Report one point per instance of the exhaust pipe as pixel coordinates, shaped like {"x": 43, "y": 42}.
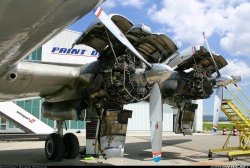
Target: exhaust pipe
{"x": 11, "y": 77}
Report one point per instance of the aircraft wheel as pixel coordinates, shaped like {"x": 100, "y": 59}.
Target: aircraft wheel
{"x": 230, "y": 158}
{"x": 54, "y": 147}
{"x": 70, "y": 146}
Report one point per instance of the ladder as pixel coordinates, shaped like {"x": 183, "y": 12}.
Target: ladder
{"x": 235, "y": 108}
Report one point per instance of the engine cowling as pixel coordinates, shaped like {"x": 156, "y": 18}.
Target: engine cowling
{"x": 65, "y": 110}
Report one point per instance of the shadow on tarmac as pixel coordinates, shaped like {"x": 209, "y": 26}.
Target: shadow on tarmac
{"x": 175, "y": 150}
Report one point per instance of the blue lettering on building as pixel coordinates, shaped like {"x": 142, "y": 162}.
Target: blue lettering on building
{"x": 94, "y": 52}
{"x": 55, "y": 49}
{"x": 63, "y": 50}
{"x": 69, "y": 51}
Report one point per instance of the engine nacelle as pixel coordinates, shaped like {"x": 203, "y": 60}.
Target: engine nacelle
{"x": 66, "y": 110}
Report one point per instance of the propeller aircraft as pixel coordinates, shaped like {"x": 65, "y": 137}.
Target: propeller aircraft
{"x": 134, "y": 65}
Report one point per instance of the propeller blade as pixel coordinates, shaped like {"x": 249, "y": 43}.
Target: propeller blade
{"x": 217, "y": 107}
{"x": 156, "y": 112}
{"x": 215, "y": 65}
{"x": 221, "y": 80}
{"x": 117, "y": 33}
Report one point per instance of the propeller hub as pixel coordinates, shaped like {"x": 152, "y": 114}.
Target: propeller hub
{"x": 223, "y": 80}
{"x": 158, "y": 73}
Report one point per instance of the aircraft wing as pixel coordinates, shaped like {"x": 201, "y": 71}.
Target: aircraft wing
{"x": 27, "y": 24}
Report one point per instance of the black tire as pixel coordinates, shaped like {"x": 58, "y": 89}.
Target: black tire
{"x": 54, "y": 147}
{"x": 230, "y": 158}
{"x": 70, "y": 146}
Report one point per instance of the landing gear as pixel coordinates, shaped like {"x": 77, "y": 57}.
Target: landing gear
{"x": 54, "y": 147}
{"x": 71, "y": 146}
{"x": 58, "y": 146}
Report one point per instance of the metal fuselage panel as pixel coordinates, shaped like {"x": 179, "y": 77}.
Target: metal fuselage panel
{"x": 27, "y": 24}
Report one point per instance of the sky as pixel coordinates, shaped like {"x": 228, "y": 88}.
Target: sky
{"x": 225, "y": 22}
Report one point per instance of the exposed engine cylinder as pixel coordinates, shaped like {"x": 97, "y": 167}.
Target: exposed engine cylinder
{"x": 199, "y": 86}
{"x": 196, "y": 84}
{"x": 119, "y": 83}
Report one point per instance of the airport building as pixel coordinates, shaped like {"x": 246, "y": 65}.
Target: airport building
{"x": 58, "y": 50}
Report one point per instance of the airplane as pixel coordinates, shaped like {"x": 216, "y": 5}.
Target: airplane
{"x": 134, "y": 65}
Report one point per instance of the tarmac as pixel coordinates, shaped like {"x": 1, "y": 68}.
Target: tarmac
{"x": 177, "y": 150}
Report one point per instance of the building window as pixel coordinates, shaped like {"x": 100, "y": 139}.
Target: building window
{"x": 73, "y": 124}
{"x": 35, "y": 55}
{"x": 3, "y": 127}
{"x": 2, "y": 123}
